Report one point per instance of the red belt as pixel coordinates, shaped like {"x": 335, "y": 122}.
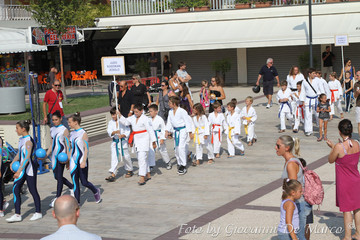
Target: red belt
{"x": 302, "y": 110}
{"x": 131, "y": 137}
{"x": 212, "y": 135}
{"x": 333, "y": 95}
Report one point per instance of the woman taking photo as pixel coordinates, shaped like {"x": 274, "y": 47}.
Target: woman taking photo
{"x": 140, "y": 92}
{"x": 292, "y": 170}
{"x": 216, "y": 93}
{"x": 345, "y": 155}
{"x": 163, "y": 100}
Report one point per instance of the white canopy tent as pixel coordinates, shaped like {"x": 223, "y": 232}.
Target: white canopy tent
{"x": 241, "y": 33}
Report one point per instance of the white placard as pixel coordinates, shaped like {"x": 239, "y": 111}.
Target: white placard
{"x": 113, "y": 66}
{"x": 341, "y": 40}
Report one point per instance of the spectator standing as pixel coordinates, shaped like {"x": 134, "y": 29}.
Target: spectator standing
{"x": 67, "y": 212}
{"x": 328, "y": 57}
{"x": 140, "y": 92}
{"x": 357, "y": 96}
{"x": 111, "y": 92}
{"x": 217, "y": 93}
{"x": 125, "y": 100}
{"x": 153, "y": 64}
{"x": 163, "y": 101}
{"x": 345, "y": 155}
{"x": 348, "y": 67}
{"x": 167, "y": 66}
{"x": 268, "y": 72}
{"x": 53, "y": 98}
{"x": 183, "y": 76}
{"x": 174, "y": 84}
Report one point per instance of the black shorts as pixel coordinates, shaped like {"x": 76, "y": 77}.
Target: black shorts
{"x": 268, "y": 87}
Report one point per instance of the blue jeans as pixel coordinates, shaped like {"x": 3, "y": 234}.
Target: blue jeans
{"x": 304, "y": 209}
{"x": 284, "y": 236}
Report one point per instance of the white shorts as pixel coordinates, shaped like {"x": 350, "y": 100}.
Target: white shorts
{"x": 357, "y": 110}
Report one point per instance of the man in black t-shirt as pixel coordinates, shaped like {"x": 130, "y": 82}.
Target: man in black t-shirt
{"x": 268, "y": 72}
{"x": 328, "y": 58}
{"x": 125, "y": 100}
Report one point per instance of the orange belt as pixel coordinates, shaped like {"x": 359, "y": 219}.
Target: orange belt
{"x": 212, "y": 135}
{"x": 333, "y": 95}
{"x": 131, "y": 137}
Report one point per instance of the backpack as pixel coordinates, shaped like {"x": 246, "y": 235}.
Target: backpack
{"x": 313, "y": 189}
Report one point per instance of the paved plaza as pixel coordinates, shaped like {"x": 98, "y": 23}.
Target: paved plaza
{"x": 235, "y": 198}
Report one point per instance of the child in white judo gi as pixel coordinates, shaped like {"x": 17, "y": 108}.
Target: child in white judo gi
{"x": 233, "y": 131}
{"x": 283, "y": 97}
{"x": 201, "y": 134}
{"x": 248, "y": 116}
{"x": 336, "y": 94}
{"x": 119, "y": 146}
{"x": 158, "y": 125}
{"x": 217, "y": 124}
{"x": 180, "y": 123}
{"x": 140, "y": 138}
{"x": 298, "y": 114}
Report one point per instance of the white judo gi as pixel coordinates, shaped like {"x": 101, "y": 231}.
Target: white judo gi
{"x": 310, "y": 99}
{"x": 119, "y": 147}
{"x": 202, "y": 129}
{"x": 298, "y": 113}
{"x": 142, "y": 134}
{"x": 249, "y": 126}
{"x": 284, "y": 107}
{"x": 217, "y": 124}
{"x": 180, "y": 124}
{"x": 336, "y": 93}
{"x": 233, "y": 133}
{"x": 158, "y": 126}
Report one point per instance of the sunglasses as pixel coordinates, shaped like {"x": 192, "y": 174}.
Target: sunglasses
{"x": 57, "y": 85}
{"x": 277, "y": 145}
{"x": 163, "y": 85}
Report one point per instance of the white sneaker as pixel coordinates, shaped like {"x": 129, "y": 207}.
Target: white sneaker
{"x": 268, "y": 106}
{"x": 72, "y": 192}
{"x": 14, "y": 218}
{"x": 36, "y": 216}
{"x": 52, "y": 203}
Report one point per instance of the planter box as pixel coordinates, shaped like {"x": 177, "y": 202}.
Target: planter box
{"x": 242, "y": 5}
{"x": 263, "y": 4}
{"x": 203, "y": 8}
{"x": 332, "y": 1}
{"x": 183, "y": 9}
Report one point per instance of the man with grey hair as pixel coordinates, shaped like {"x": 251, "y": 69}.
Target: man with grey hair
{"x": 268, "y": 72}
{"x": 67, "y": 212}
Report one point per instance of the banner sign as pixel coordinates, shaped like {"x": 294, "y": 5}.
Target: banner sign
{"x": 341, "y": 40}
{"x": 113, "y": 66}
{"x": 44, "y": 36}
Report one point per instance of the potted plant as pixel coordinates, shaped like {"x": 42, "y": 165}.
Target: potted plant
{"x": 201, "y": 5}
{"x": 221, "y": 67}
{"x": 142, "y": 67}
{"x": 182, "y": 5}
{"x": 263, "y": 3}
{"x": 239, "y": 4}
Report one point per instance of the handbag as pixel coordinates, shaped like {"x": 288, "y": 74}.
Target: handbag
{"x": 49, "y": 114}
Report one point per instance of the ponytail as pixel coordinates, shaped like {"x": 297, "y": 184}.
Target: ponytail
{"x": 76, "y": 117}
{"x": 292, "y": 143}
{"x": 288, "y": 186}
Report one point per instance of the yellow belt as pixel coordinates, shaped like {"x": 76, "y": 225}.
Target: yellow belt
{"x": 246, "y": 126}
{"x": 196, "y": 135}
{"x": 230, "y": 129}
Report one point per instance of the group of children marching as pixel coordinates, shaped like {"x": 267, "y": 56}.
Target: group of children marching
{"x": 149, "y": 134}
{"x": 292, "y": 108}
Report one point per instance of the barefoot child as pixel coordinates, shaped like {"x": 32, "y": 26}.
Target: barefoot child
{"x": 217, "y": 123}
{"x": 336, "y": 93}
{"x": 248, "y": 116}
{"x": 201, "y": 135}
{"x": 158, "y": 126}
{"x": 283, "y": 97}
{"x": 119, "y": 146}
{"x": 324, "y": 114}
{"x": 233, "y": 131}
{"x": 298, "y": 113}
{"x": 204, "y": 95}
{"x": 140, "y": 138}
{"x": 180, "y": 123}
{"x": 289, "y": 214}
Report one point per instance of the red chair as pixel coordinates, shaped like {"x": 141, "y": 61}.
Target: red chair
{"x": 74, "y": 77}
{"x": 94, "y": 76}
{"x": 88, "y": 77}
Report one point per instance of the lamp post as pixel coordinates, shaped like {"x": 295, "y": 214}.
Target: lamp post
{"x": 310, "y": 35}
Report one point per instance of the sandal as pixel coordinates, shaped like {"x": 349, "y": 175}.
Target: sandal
{"x": 231, "y": 156}
{"x": 281, "y": 131}
{"x": 211, "y": 161}
{"x": 194, "y": 164}
{"x": 110, "y": 179}
{"x": 129, "y": 174}
{"x": 295, "y": 131}
{"x": 242, "y": 153}
{"x": 250, "y": 143}
{"x": 142, "y": 183}
{"x": 325, "y": 138}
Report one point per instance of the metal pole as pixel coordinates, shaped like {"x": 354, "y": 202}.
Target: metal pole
{"x": 310, "y": 35}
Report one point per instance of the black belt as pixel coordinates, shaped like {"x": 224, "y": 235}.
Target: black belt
{"x": 293, "y": 89}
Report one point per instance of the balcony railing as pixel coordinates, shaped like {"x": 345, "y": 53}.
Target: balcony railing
{"x": 14, "y": 13}
{"x": 141, "y": 7}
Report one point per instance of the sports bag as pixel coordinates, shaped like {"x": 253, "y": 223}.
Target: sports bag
{"x": 313, "y": 189}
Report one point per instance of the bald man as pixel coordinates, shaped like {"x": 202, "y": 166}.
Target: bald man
{"x": 67, "y": 211}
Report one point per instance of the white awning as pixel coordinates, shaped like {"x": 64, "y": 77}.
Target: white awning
{"x": 244, "y": 33}
{"x": 17, "y": 41}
